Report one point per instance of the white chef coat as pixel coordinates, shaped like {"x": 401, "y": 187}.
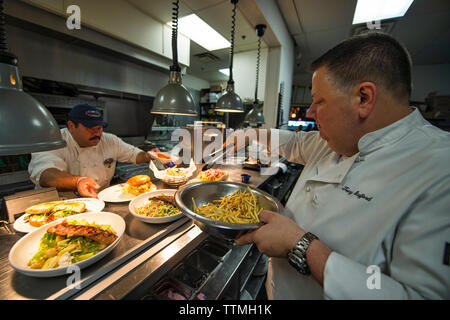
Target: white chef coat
{"x": 97, "y": 162}
{"x": 388, "y": 206}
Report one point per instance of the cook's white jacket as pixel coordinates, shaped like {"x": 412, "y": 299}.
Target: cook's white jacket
{"x": 386, "y": 206}
{"x": 97, "y": 162}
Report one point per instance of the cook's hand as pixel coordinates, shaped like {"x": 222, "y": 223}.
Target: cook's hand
{"x": 162, "y": 157}
{"x": 87, "y": 187}
{"x": 275, "y": 237}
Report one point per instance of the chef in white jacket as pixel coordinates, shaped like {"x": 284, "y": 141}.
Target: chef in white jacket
{"x": 88, "y": 161}
{"x": 369, "y": 217}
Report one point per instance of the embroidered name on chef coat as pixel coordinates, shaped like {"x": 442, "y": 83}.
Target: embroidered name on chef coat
{"x": 356, "y": 193}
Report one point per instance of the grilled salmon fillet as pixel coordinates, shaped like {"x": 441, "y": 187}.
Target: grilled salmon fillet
{"x": 94, "y": 233}
{"x": 169, "y": 199}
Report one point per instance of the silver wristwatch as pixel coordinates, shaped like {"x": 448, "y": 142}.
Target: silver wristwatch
{"x": 297, "y": 255}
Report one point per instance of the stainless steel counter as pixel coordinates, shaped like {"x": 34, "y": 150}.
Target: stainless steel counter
{"x": 146, "y": 250}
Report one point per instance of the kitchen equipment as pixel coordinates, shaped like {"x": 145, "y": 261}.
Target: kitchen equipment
{"x": 205, "y": 192}
{"x": 199, "y": 137}
{"x": 174, "y": 98}
{"x": 230, "y": 101}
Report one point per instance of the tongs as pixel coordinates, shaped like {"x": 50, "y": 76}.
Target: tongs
{"x": 216, "y": 155}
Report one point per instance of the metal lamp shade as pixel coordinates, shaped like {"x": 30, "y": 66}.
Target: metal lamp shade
{"x": 229, "y": 102}
{"x": 174, "y": 99}
{"x": 25, "y": 124}
{"x": 255, "y": 116}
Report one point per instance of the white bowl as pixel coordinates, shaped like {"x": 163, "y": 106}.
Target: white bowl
{"x": 24, "y": 249}
{"x": 143, "y": 199}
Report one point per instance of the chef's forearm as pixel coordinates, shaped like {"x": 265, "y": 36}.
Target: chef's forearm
{"x": 143, "y": 157}
{"x": 53, "y": 177}
{"x": 316, "y": 256}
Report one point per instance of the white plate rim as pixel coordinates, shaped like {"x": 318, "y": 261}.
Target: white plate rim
{"x": 21, "y": 226}
{"x": 103, "y": 194}
{"x": 159, "y": 220}
{"x": 82, "y": 264}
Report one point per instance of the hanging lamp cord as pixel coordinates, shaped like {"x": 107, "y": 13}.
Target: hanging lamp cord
{"x": 257, "y": 69}
{"x": 233, "y": 27}
{"x": 3, "y": 43}
{"x": 175, "y": 66}
{"x": 5, "y": 56}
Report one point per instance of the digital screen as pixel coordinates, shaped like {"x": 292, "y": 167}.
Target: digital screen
{"x": 294, "y": 124}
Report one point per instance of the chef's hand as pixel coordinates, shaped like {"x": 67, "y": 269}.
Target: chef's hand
{"x": 87, "y": 187}
{"x": 275, "y": 237}
{"x": 163, "y": 157}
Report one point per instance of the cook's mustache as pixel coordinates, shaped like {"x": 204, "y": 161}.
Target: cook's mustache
{"x": 94, "y": 137}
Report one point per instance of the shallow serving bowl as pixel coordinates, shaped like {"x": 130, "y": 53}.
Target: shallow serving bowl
{"x": 24, "y": 249}
{"x": 205, "y": 192}
{"x": 143, "y": 199}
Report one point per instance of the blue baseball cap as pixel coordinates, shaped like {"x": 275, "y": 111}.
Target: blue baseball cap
{"x": 89, "y": 116}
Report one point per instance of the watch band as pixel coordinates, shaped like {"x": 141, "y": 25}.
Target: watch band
{"x": 297, "y": 255}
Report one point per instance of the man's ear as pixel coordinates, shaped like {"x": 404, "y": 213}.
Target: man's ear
{"x": 70, "y": 125}
{"x": 367, "y": 92}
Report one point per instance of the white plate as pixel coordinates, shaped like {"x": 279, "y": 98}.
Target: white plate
{"x": 226, "y": 177}
{"x": 142, "y": 200}
{"x": 92, "y": 205}
{"x": 114, "y": 194}
{"x": 26, "y": 247}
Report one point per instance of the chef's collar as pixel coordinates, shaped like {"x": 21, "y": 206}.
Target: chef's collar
{"x": 389, "y": 134}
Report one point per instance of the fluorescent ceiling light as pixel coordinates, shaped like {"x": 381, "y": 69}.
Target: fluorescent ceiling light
{"x": 225, "y": 71}
{"x": 200, "y": 32}
{"x": 373, "y": 10}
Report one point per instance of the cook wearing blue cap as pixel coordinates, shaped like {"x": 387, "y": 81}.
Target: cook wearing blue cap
{"x": 87, "y": 115}
{"x": 89, "y": 160}
{"x": 85, "y": 123}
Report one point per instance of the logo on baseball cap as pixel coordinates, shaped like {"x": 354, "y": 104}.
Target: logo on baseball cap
{"x": 89, "y": 116}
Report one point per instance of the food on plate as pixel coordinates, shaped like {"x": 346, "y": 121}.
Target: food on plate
{"x": 239, "y": 207}
{"x": 46, "y": 212}
{"x": 162, "y": 197}
{"x": 212, "y": 175}
{"x": 159, "y": 206}
{"x": 176, "y": 172}
{"x": 137, "y": 185}
{"x": 71, "y": 206}
{"x": 71, "y": 242}
{"x": 163, "y": 156}
{"x": 44, "y": 207}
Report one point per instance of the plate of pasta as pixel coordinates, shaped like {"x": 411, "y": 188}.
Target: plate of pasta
{"x": 155, "y": 207}
{"x": 225, "y": 209}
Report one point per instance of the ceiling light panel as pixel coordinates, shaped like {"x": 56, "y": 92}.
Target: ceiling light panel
{"x": 373, "y": 10}
{"x": 200, "y": 32}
